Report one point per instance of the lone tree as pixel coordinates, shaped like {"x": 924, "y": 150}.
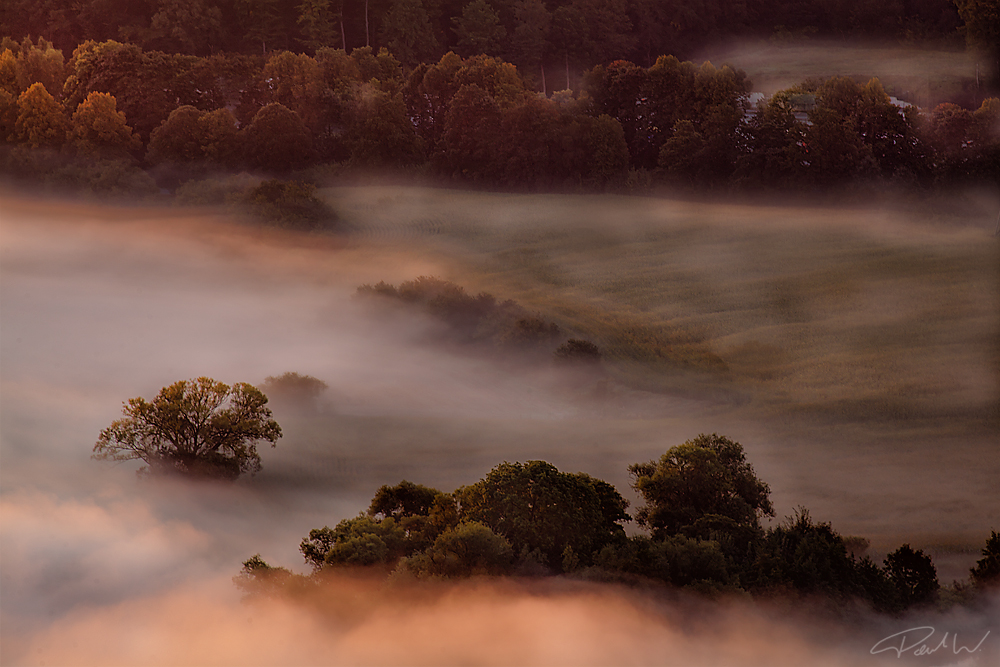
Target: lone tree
{"x": 200, "y": 428}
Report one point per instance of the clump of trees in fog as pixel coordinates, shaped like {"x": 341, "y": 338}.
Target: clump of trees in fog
{"x": 701, "y": 518}
{"x": 199, "y": 428}
{"x": 115, "y": 118}
{"x": 482, "y": 320}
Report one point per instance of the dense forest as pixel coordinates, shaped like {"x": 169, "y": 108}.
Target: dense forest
{"x": 156, "y": 94}
{"x": 535, "y": 35}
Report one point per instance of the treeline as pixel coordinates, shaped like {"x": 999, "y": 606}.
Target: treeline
{"x": 701, "y": 523}
{"x": 483, "y": 321}
{"x": 549, "y": 39}
{"x": 120, "y": 109}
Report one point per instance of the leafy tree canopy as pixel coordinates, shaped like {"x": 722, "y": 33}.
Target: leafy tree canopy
{"x": 40, "y": 118}
{"x": 200, "y": 428}
{"x": 703, "y": 485}
{"x": 536, "y": 507}
{"x": 986, "y": 573}
{"x": 470, "y": 548}
{"x": 404, "y": 499}
{"x": 913, "y": 574}
{"x": 99, "y": 128}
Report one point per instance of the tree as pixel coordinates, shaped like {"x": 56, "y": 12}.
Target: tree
{"x": 316, "y": 22}
{"x": 359, "y": 541}
{"x": 807, "y": 556}
{"x": 178, "y": 138}
{"x": 403, "y": 500}
{"x": 8, "y": 73}
{"x": 913, "y": 574}
{"x": 200, "y": 428}
{"x": 294, "y": 389}
{"x": 469, "y": 548}
{"x": 608, "y": 152}
{"x": 184, "y": 26}
{"x": 702, "y": 487}
{"x": 479, "y": 29}
{"x": 567, "y": 35}
{"x": 530, "y": 39}
{"x": 40, "y": 118}
{"x": 538, "y": 508}
{"x": 679, "y": 154}
{"x": 258, "y": 21}
{"x": 8, "y": 116}
{"x": 100, "y": 129}
{"x": 577, "y": 351}
{"x": 982, "y": 29}
{"x": 407, "y": 31}
{"x": 277, "y": 140}
{"x": 260, "y": 579}
{"x": 468, "y": 142}
{"x": 986, "y": 573}
{"x": 380, "y": 133}
{"x": 296, "y": 81}
{"x": 40, "y": 63}
{"x": 218, "y": 133}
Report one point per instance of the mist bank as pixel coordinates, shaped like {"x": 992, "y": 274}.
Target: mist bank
{"x": 352, "y": 621}
{"x": 102, "y": 304}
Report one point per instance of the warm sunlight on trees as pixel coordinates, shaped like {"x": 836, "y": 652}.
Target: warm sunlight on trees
{"x": 200, "y": 428}
{"x": 40, "y": 118}
{"x": 98, "y": 128}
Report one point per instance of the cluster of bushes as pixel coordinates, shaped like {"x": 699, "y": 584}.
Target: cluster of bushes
{"x": 482, "y": 320}
{"x": 474, "y": 119}
{"x": 701, "y": 519}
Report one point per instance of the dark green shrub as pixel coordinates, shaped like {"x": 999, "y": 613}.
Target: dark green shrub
{"x": 258, "y": 579}
{"x": 913, "y": 574}
{"x": 358, "y": 541}
{"x": 578, "y": 351}
{"x": 807, "y": 557}
{"x": 468, "y": 549}
{"x": 986, "y": 573}
{"x": 290, "y": 205}
{"x": 535, "y": 506}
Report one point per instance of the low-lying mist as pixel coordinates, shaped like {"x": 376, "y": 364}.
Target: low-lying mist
{"x": 99, "y": 567}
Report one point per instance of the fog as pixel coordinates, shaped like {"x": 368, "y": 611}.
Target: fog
{"x": 101, "y": 304}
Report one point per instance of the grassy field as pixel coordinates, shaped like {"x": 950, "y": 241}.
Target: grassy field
{"x": 858, "y": 314}
{"x": 922, "y": 77}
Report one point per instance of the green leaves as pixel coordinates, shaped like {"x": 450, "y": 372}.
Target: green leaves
{"x": 535, "y": 506}
{"x": 708, "y": 475}
{"x": 196, "y": 427}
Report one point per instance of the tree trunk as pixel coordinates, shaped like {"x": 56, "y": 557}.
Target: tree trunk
{"x": 368, "y": 39}
{"x": 343, "y": 36}
{"x": 545, "y": 91}
{"x": 567, "y": 71}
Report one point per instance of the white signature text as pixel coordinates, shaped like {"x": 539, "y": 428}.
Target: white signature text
{"x": 920, "y": 641}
